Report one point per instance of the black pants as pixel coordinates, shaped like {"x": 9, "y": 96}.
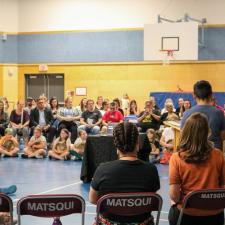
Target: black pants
{"x": 71, "y": 127}
{"x": 2, "y": 131}
{"x": 194, "y": 220}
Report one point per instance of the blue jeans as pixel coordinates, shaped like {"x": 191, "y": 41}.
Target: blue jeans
{"x": 93, "y": 130}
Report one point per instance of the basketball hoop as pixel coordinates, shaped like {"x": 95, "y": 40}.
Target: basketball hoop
{"x": 168, "y": 56}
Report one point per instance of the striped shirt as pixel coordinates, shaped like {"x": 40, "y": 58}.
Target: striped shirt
{"x": 65, "y": 112}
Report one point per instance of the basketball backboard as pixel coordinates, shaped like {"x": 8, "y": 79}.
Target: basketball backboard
{"x": 181, "y": 38}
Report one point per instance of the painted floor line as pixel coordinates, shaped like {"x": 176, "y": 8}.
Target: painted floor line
{"x": 53, "y": 189}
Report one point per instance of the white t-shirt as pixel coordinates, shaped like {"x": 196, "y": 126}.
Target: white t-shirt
{"x": 168, "y": 133}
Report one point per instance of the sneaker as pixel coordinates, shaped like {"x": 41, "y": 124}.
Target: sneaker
{"x": 15, "y": 155}
{"x": 77, "y": 155}
{"x": 9, "y": 190}
{"x": 24, "y": 156}
{"x": 39, "y": 157}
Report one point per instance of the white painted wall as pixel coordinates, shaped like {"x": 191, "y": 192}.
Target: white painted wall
{"x": 45, "y": 15}
{"x": 8, "y": 15}
{"x": 41, "y": 15}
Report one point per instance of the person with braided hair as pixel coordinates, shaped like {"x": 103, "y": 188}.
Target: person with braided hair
{"x": 127, "y": 174}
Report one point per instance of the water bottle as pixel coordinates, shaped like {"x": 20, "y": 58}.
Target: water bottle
{"x": 110, "y": 129}
{"x": 21, "y": 144}
{"x": 57, "y": 221}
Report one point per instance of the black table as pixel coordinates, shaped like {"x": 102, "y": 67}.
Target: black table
{"x": 99, "y": 149}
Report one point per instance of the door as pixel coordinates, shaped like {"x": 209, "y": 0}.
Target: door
{"x": 48, "y": 84}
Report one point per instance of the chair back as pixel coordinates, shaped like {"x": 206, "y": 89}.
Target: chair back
{"x": 51, "y": 206}
{"x": 6, "y": 205}
{"x": 129, "y": 204}
{"x": 208, "y": 199}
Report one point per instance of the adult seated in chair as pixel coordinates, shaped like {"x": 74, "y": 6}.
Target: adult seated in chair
{"x": 111, "y": 116}
{"x": 170, "y": 115}
{"x": 155, "y": 106}
{"x": 149, "y": 118}
{"x": 4, "y": 119}
{"x": 29, "y": 105}
{"x": 19, "y": 121}
{"x": 91, "y": 119}
{"x": 197, "y": 165}
{"x": 180, "y": 109}
{"x": 186, "y": 106}
{"x": 42, "y": 117}
{"x": 127, "y": 174}
{"x": 133, "y": 109}
{"x": 68, "y": 116}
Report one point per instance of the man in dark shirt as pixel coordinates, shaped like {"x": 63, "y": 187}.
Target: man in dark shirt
{"x": 91, "y": 119}
{"x": 42, "y": 117}
{"x": 149, "y": 118}
{"x": 216, "y": 119}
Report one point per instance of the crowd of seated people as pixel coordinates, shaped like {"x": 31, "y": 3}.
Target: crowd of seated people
{"x": 92, "y": 118}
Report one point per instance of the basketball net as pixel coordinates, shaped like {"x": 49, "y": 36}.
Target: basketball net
{"x": 168, "y": 56}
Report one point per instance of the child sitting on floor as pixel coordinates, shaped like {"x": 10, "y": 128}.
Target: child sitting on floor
{"x": 61, "y": 146}
{"x": 8, "y": 144}
{"x": 77, "y": 149}
{"x": 154, "y": 156}
{"x": 167, "y": 141}
{"x": 36, "y": 147}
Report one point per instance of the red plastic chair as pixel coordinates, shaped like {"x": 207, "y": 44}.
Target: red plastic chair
{"x": 6, "y": 205}
{"x": 210, "y": 199}
{"x": 51, "y": 206}
{"x": 129, "y": 204}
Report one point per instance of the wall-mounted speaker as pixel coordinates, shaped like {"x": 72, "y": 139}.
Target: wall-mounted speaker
{"x": 3, "y": 37}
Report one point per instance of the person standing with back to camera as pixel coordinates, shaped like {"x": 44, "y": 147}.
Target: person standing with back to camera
{"x": 216, "y": 119}
{"x": 127, "y": 174}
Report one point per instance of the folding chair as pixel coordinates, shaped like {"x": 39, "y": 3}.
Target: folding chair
{"x": 6, "y": 205}
{"x": 208, "y": 199}
{"x": 51, "y": 206}
{"x": 129, "y": 204}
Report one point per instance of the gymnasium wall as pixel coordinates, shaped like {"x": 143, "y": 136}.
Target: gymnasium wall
{"x": 9, "y": 16}
{"x": 93, "y": 49}
{"x": 10, "y": 82}
{"x": 96, "y": 46}
{"x": 46, "y": 15}
{"x": 137, "y": 79}
{"x": 1, "y": 77}
{"x": 100, "y": 50}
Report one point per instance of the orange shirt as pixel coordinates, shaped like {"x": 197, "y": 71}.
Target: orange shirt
{"x": 8, "y": 144}
{"x": 206, "y": 175}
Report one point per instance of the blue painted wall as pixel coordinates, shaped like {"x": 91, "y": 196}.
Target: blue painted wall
{"x": 8, "y": 49}
{"x": 81, "y": 47}
{"x": 214, "y": 45}
{"x": 94, "y": 47}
